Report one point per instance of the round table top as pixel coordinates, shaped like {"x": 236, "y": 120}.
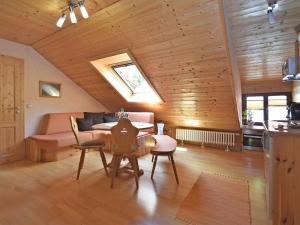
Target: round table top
{"x": 108, "y": 126}
{"x": 164, "y": 144}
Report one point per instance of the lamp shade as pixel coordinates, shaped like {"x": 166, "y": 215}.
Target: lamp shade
{"x": 61, "y": 20}
{"x": 72, "y": 15}
{"x": 83, "y": 10}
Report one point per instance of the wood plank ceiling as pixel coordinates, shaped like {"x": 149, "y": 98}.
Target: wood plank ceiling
{"x": 262, "y": 47}
{"x": 180, "y": 45}
{"x": 27, "y": 21}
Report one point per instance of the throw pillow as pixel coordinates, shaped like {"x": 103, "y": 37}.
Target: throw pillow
{"x": 84, "y": 124}
{"x": 96, "y": 117}
{"x": 110, "y": 117}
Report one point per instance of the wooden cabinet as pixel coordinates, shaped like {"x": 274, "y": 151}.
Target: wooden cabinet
{"x": 285, "y": 182}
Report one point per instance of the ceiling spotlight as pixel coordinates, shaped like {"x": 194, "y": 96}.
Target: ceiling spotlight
{"x": 272, "y": 5}
{"x": 70, "y": 9}
{"x": 61, "y": 20}
{"x": 83, "y": 10}
{"x": 72, "y": 15}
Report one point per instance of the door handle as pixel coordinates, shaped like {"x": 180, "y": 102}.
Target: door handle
{"x": 17, "y": 109}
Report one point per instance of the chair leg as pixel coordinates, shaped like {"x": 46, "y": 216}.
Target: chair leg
{"x": 134, "y": 163}
{"x": 115, "y": 162}
{"x": 154, "y": 165}
{"x": 103, "y": 161}
{"x": 169, "y": 157}
{"x": 152, "y": 158}
{"x": 80, "y": 166}
{"x": 174, "y": 168}
{"x": 120, "y": 158}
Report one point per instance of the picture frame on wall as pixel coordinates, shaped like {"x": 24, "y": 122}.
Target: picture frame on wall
{"x": 49, "y": 89}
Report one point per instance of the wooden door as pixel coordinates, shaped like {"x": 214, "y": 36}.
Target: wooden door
{"x": 11, "y": 109}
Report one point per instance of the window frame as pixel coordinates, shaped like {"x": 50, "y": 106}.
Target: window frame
{"x": 103, "y": 65}
{"x": 124, "y": 64}
{"x": 265, "y": 99}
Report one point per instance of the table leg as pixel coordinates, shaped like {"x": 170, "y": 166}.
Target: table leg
{"x": 174, "y": 168}
{"x": 154, "y": 165}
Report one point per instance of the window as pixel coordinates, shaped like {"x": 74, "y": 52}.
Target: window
{"x": 124, "y": 74}
{"x": 267, "y": 106}
{"x": 277, "y": 107}
{"x": 255, "y": 108}
{"x": 131, "y": 75}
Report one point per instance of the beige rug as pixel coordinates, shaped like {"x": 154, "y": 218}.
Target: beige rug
{"x": 216, "y": 200}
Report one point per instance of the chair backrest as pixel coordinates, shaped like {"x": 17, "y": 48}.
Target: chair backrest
{"x": 124, "y": 136}
{"x": 74, "y": 127}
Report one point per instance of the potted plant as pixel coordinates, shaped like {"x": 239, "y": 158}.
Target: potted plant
{"x": 122, "y": 114}
{"x": 248, "y": 117}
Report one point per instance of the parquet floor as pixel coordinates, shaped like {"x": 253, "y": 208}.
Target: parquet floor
{"x": 48, "y": 193}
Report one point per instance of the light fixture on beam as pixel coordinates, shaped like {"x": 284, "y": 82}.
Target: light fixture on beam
{"x": 71, "y": 10}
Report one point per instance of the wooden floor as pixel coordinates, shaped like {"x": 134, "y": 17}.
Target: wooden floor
{"x": 48, "y": 193}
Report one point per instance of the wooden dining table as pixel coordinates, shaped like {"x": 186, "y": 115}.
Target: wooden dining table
{"x": 107, "y": 126}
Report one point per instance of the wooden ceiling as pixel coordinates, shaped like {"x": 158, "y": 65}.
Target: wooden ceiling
{"x": 262, "y": 47}
{"x": 27, "y": 21}
{"x": 180, "y": 45}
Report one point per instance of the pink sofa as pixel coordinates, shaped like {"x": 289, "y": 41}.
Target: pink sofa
{"x": 55, "y": 139}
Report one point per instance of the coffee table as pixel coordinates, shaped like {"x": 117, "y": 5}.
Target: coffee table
{"x": 164, "y": 146}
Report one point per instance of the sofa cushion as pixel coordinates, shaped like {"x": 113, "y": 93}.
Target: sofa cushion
{"x": 96, "y": 117}
{"x": 58, "y": 122}
{"x": 110, "y": 117}
{"x": 60, "y": 140}
{"x": 84, "y": 124}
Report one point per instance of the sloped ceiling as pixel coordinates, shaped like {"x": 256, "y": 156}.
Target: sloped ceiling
{"x": 262, "y": 47}
{"x": 180, "y": 45}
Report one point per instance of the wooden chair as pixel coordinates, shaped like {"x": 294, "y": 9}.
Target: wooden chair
{"x": 83, "y": 146}
{"x": 124, "y": 136}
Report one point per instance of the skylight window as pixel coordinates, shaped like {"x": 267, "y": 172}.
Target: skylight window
{"x": 131, "y": 75}
{"x": 125, "y": 75}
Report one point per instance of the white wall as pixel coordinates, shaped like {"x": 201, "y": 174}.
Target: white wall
{"x": 37, "y": 68}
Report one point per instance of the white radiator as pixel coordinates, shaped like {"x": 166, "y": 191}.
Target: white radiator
{"x": 218, "y": 138}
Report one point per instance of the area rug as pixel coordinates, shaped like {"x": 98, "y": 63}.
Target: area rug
{"x": 216, "y": 200}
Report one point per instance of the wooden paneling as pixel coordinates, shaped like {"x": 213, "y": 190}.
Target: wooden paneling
{"x": 11, "y": 109}
{"x": 266, "y": 86}
{"x": 285, "y": 185}
{"x": 262, "y": 47}
{"x": 179, "y": 46}
{"x": 27, "y": 21}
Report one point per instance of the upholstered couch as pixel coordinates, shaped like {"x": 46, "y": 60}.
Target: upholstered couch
{"x": 55, "y": 139}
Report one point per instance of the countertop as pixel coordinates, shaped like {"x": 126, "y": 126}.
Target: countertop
{"x": 272, "y": 128}
{"x": 254, "y": 127}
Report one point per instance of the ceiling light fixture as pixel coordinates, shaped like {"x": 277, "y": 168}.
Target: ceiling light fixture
{"x": 272, "y": 5}
{"x": 71, "y": 7}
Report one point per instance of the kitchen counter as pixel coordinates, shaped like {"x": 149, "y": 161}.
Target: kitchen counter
{"x": 254, "y": 127}
{"x": 282, "y": 170}
{"x": 272, "y": 128}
